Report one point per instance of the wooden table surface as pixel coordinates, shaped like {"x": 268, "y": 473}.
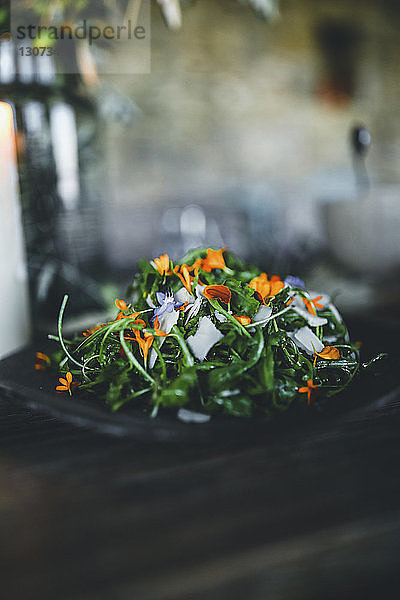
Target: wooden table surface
{"x": 311, "y": 512}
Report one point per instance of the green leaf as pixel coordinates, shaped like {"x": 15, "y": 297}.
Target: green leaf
{"x": 181, "y": 391}
{"x": 243, "y": 301}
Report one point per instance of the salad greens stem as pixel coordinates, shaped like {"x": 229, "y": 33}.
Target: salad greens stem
{"x": 230, "y": 318}
{"x": 59, "y": 327}
{"x": 188, "y": 358}
{"x": 137, "y": 394}
{"x": 161, "y": 359}
{"x": 268, "y": 319}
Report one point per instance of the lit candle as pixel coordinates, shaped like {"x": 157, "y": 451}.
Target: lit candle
{"x": 14, "y": 308}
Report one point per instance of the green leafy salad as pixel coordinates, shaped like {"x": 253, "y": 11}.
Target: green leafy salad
{"x": 210, "y": 335}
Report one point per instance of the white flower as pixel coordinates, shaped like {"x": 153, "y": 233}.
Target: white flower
{"x": 194, "y": 304}
{"x": 204, "y": 339}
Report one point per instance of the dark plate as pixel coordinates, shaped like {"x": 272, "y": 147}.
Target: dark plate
{"x": 19, "y": 381}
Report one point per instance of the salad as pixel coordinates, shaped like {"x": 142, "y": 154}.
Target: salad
{"x": 212, "y": 335}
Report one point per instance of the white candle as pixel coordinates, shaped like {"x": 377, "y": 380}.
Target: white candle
{"x": 14, "y": 308}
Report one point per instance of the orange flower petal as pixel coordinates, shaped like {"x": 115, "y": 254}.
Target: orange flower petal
{"x": 276, "y": 287}
{"x": 69, "y": 377}
{"x": 61, "y": 388}
{"x": 184, "y": 277}
{"x": 217, "y": 292}
{"x": 162, "y": 264}
{"x": 261, "y": 285}
{"x": 316, "y": 303}
{"x": 157, "y": 328}
{"x": 213, "y": 260}
{"x": 121, "y": 304}
{"x": 329, "y": 353}
{"x": 309, "y": 306}
{"x": 63, "y": 381}
{"x": 243, "y": 319}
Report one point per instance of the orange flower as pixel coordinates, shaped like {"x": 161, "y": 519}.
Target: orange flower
{"x": 135, "y": 331}
{"x": 157, "y": 328}
{"x": 217, "y": 292}
{"x": 266, "y": 288}
{"x": 213, "y": 260}
{"x": 121, "y": 304}
{"x": 67, "y": 384}
{"x": 243, "y": 320}
{"x": 145, "y": 340}
{"x": 195, "y": 266}
{"x": 329, "y": 353}
{"x": 42, "y": 361}
{"x": 162, "y": 264}
{"x": 184, "y": 277}
{"x": 311, "y": 390}
{"x": 261, "y": 285}
{"x": 310, "y": 304}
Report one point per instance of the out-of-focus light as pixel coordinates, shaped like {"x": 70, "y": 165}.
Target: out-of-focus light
{"x": 171, "y": 10}
{"x": 65, "y": 148}
{"x": 26, "y": 69}
{"x": 14, "y": 320}
{"x": 7, "y": 62}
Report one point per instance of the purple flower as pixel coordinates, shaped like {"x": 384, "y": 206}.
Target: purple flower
{"x": 294, "y": 281}
{"x": 167, "y": 303}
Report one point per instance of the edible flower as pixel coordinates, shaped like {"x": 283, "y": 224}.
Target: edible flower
{"x": 42, "y": 361}
{"x": 243, "y": 319}
{"x": 145, "y": 340}
{"x": 295, "y": 281}
{"x": 311, "y": 303}
{"x": 167, "y": 303}
{"x": 266, "y": 288}
{"x": 213, "y": 260}
{"x": 183, "y": 274}
{"x": 122, "y": 306}
{"x": 329, "y": 353}
{"x": 161, "y": 264}
{"x": 217, "y": 292}
{"x": 195, "y": 266}
{"x": 67, "y": 385}
{"x": 157, "y": 329}
{"x": 311, "y": 390}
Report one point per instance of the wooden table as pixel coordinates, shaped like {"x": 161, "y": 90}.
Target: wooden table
{"x": 310, "y": 513}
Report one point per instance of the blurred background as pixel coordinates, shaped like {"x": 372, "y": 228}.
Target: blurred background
{"x": 271, "y": 127}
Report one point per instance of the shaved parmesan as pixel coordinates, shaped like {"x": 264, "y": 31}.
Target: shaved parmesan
{"x": 204, "y": 339}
